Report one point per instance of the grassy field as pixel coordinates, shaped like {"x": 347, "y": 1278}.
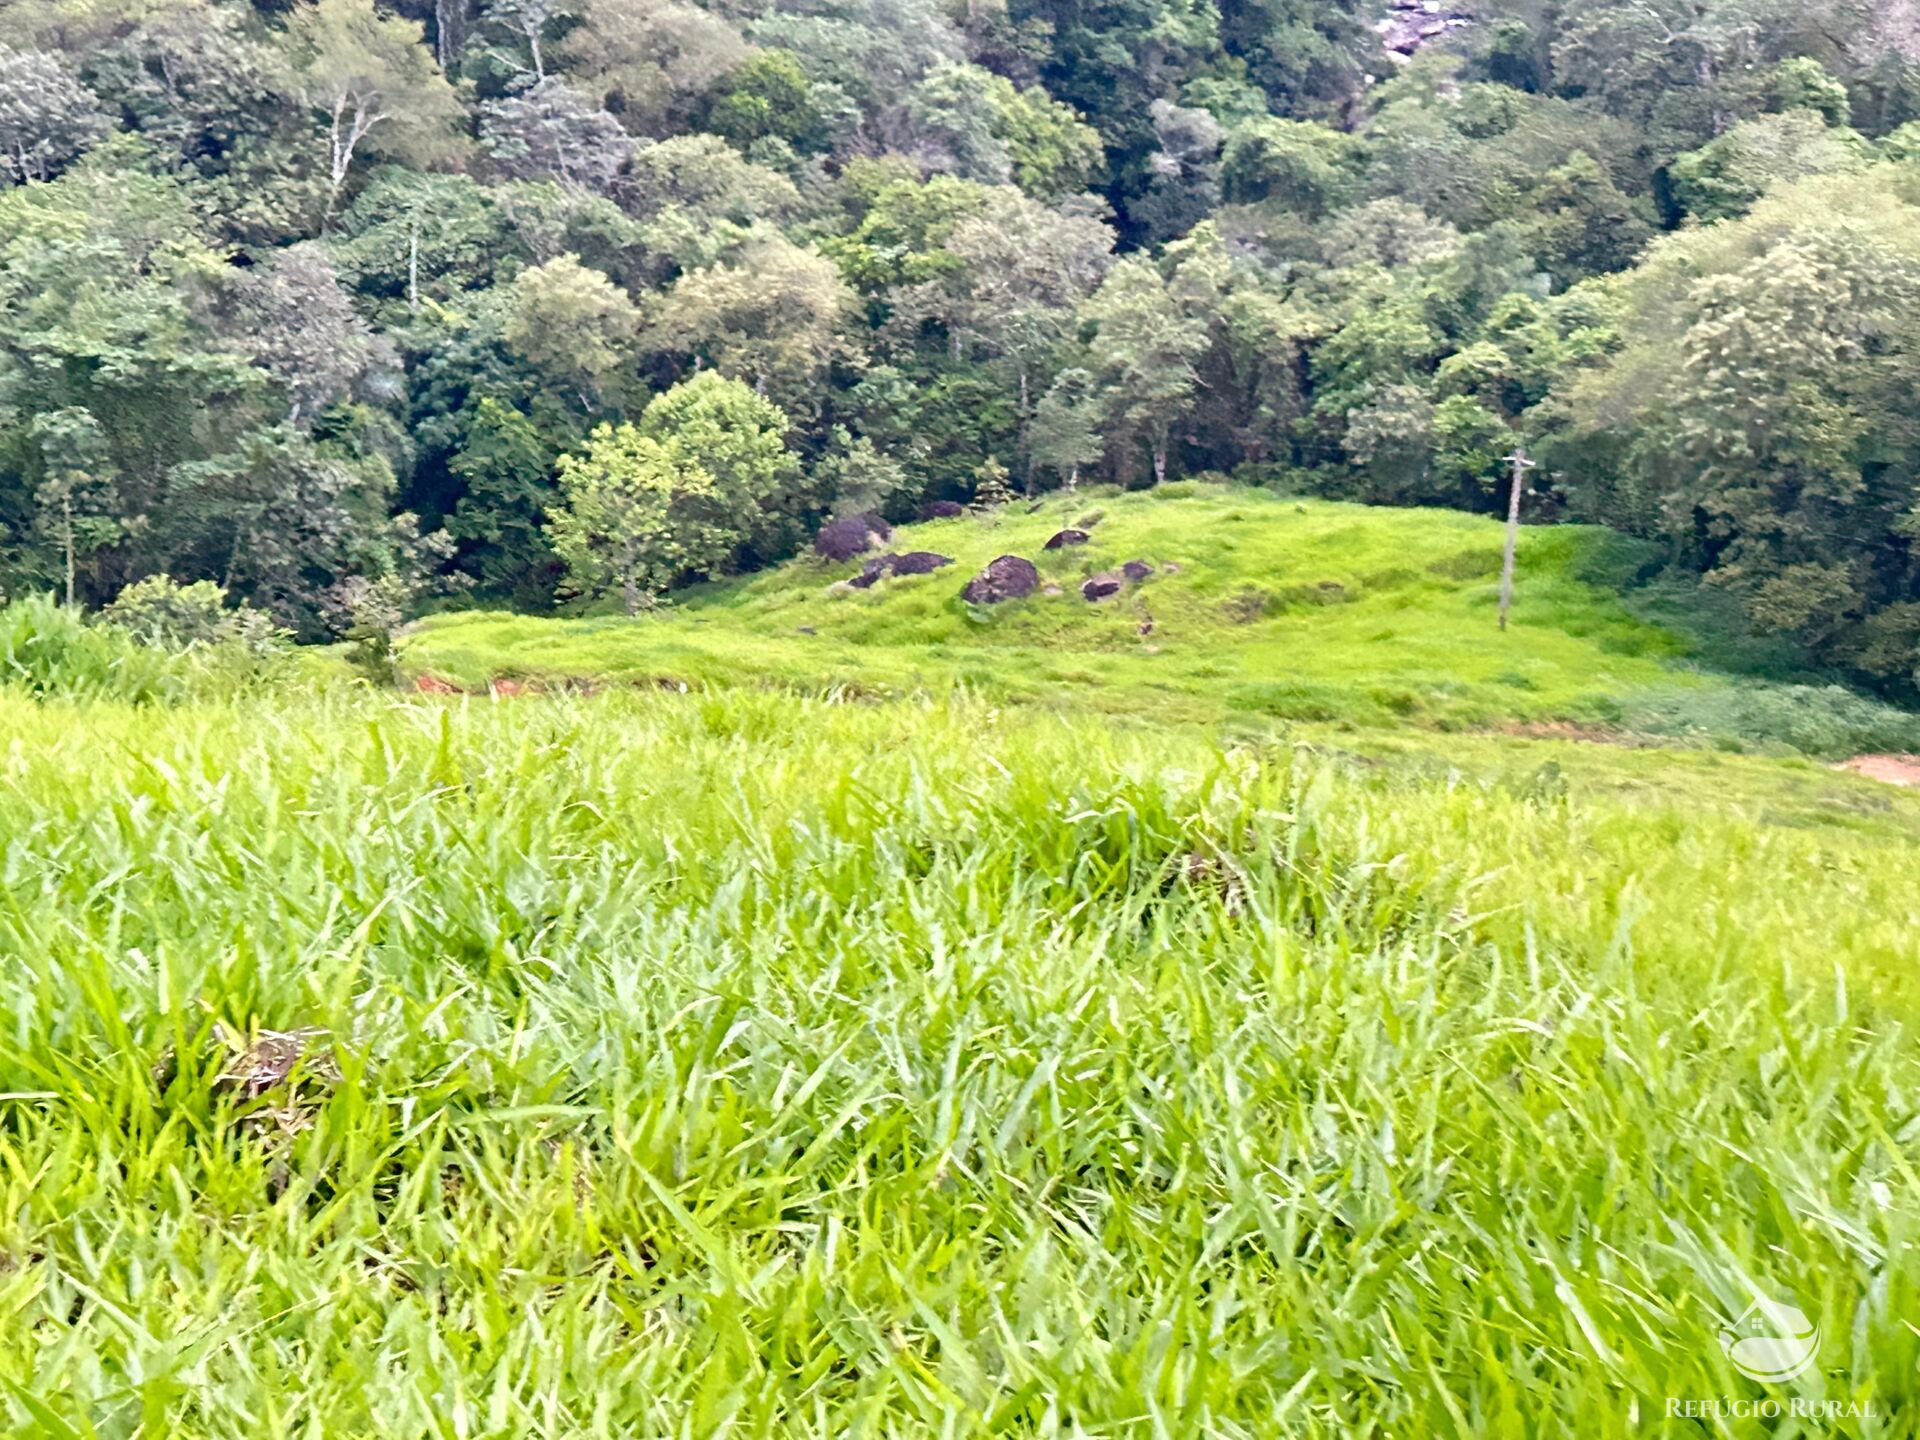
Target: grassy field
{"x": 743, "y": 1064}
{"x": 956, "y": 1023}
{"x": 1262, "y": 606}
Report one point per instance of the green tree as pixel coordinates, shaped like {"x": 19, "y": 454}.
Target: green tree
{"x": 1145, "y": 351}
{"x": 575, "y": 325}
{"x": 505, "y": 469}
{"x": 768, "y": 96}
{"x": 700, "y": 477}
{"x": 372, "y": 83}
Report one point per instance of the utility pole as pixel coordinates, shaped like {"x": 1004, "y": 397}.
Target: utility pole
{"x": 1521, "y": 464}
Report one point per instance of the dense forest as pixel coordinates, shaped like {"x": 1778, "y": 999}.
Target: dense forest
{"x": 339, "y": 304}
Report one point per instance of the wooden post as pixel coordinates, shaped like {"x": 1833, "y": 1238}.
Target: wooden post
{"x": 1521, "y": 464}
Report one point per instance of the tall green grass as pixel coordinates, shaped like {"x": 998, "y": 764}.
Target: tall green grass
{"x": 737, "y": 1064}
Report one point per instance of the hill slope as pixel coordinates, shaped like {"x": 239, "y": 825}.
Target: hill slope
{"x": 1259, "y": 605}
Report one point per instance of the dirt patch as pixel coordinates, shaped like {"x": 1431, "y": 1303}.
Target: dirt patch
{"x": 1894, "y": 769}
{"x": 434, "y": 685}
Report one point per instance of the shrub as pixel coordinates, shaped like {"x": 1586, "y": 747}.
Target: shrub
{"x": 161, "y": 611}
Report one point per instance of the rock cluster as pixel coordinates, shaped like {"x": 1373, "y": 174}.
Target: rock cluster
{"x": 1112, "y": 582}
{"x": 1411, "y": 24}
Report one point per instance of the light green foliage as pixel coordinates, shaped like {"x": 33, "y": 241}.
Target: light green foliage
{"x": 575, "y": 324}
{"x": 1724, "y": 177}
{"x": 994, "y": 1072}
{"x": 1146, "y": 344}
{"x": 633, "y": 516}
{"x": 702, "y": 476}
{"x": 371, "y": 85}
{"x": 1307, "y": 168}
{"x": 767, "y": 96}
{"x": 1051, "y": 151}
{"x": 773, "y": 315}
{"x": 160, "y": 611}
{"x": 1765, "y": 361}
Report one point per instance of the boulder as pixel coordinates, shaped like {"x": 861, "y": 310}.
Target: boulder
{"x": 913, "y": 562}
{"x": 1100, "y": 586}
{"x": 942, "y": 510}
{"x": 1063, "y": 538}
{"x": 874, "y": 571}
{"x": 1136, "y": 570}
{"x": 919, "y": 562}
{"x": 840, "y": 540}
{"x": 1009, "y": 577}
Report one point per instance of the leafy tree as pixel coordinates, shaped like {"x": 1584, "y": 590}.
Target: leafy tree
{"x": 1064, "y": 435}
{"x": 738, "y": 437}
{"x": 650, "y": 61}
{"x": 1052, "y": 151}
{"x": 1306, "y": 167}
{"x": 701, "y": 477}
{"x": 75, "y": 496}
{"x": 575, "y": 325}
{"x": 550, "y": 130}
{"x": 303, "y": 330}
{"x": 371, "y": 82}
{"x": 1145, "y": 350}
{"x": 1758, "y": 411}
{"x": 774, "y": 315}
{"x": 46, "y": 116}
{"x": 767, "y": 96}
{"x": 633, "y": 517}
{"x": 1725, "y": 176}
{"x": 506, "y": 471}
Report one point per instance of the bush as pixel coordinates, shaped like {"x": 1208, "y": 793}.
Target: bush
{"x": 161, "y": 611}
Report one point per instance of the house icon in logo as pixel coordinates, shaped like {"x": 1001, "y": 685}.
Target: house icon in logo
{"x": 1773, "y": 1340}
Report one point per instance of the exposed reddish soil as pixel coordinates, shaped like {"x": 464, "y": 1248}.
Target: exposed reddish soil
{"x": 1894, "y": 769}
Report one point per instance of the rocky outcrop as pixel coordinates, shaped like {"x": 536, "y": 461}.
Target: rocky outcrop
{"x": 1411, "y": 25}
{"x": 913, "y": 562}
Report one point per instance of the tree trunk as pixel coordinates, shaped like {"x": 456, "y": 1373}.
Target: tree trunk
{"x": 66, "y": 541}
{"x": 1521, "y": 464}
{"x": 1160, "y": 457}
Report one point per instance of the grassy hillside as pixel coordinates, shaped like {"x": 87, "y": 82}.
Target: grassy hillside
{"x": 743, "y": 1064}
{"x": 1261, "y": 605}
{"x": 1261, "y": 608}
